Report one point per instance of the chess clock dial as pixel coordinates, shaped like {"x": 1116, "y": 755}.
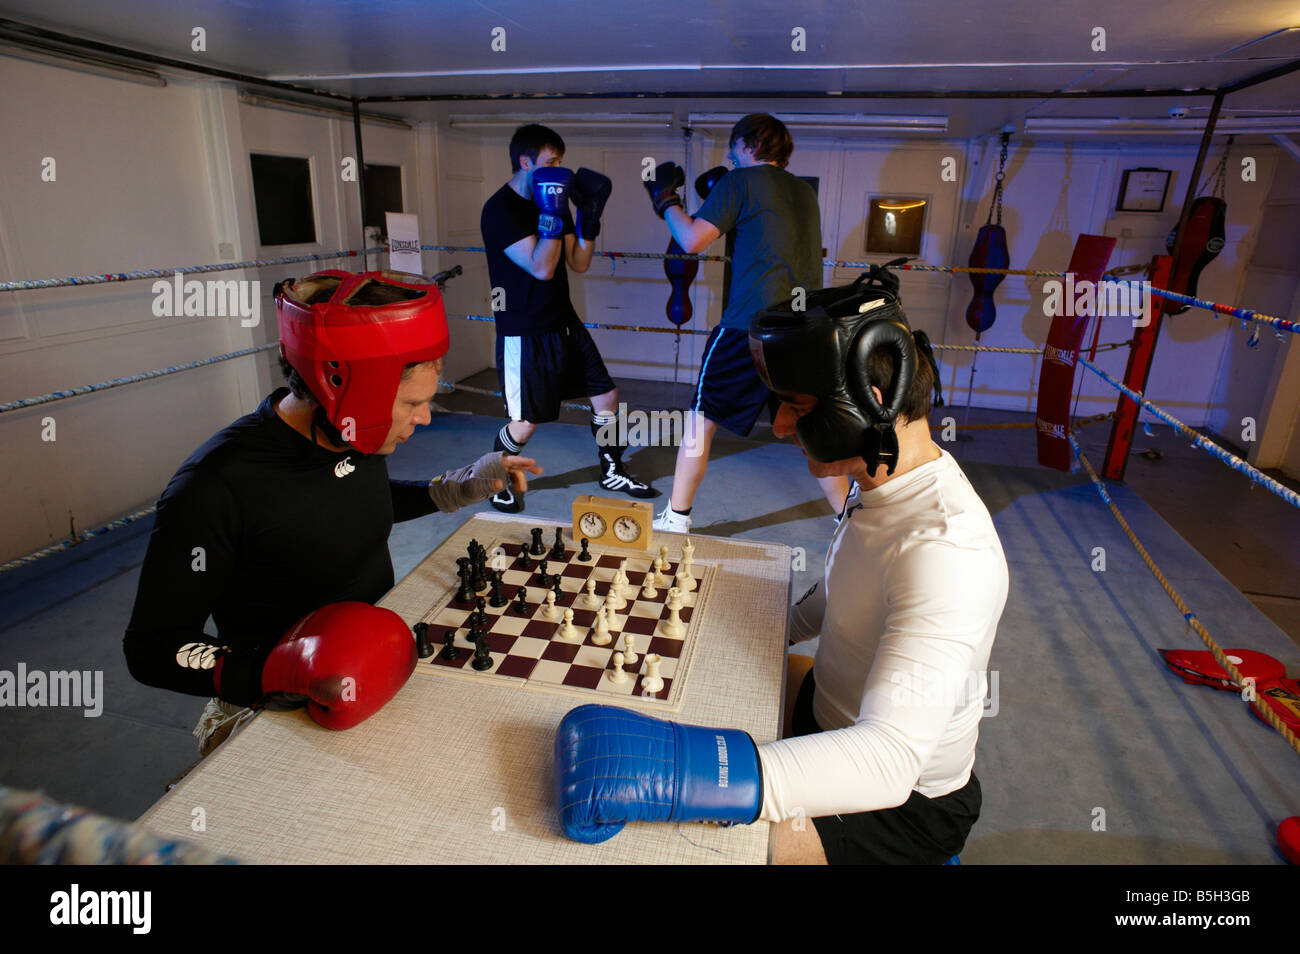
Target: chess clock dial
{"x": 627, "y": 529}
{"x": 593, "y": 526}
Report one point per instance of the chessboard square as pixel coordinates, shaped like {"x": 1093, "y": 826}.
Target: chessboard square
{"x": 561, "y": 652}
{"x": 639, "y": 690}
{"x": 460, "y": 662}
{"x": 495, "y": 610}
{"x": 668, "y": 648}
{"x": 550, "y": 671}
{"x": 500, "y": 642}
{"x": 584, "y": 677}
{"x": 518, "y": 666}
{"x": 577, "y": 570}
{"x": 510, "y": 624}
{"x": 647, "y": 608}
{"x": 540, "y": 628}
{"x": 511, "y": 580}
{"x": 636, "y": 578}
{"x": 583, "y": 617}
{"x": 530, "y": 647}
{"x": 448, "y": 619}
{"x": 685, "y": 613}
{"x": 608, "y": 685}
{"x": 594, "y": 656}
{"x": 609, "y": 562}
{"x": 640, "y": 625}
{"x": 511, "y": 549}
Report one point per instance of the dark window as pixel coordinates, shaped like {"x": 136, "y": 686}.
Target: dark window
{"x": 383, "y": 194}
{"x": 282, "y": 194}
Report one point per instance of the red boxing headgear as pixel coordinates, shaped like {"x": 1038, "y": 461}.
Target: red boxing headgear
{"x": 350, "y": 336}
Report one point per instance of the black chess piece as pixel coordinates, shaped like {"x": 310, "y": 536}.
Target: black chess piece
{"x": 472, "y": 549}
{"x": 498, "y": 598}
{"x": 479, "y": 617}
{"x": 482, "y": 657}
{"x": 538, "y": 548}
{"x": 543, "y": 578}
{"x": 449, "y": 650}
{"x": 585, "y": 555}
{"x": 520, "y": 605}
{"x": 465, "y": 593}
{"x": 423, "y": 647}
{"x": 555, "y": 588}
{"x": 557, "y": 548}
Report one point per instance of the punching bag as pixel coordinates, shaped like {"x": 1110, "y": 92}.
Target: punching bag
{"x": 990, "y": 251}
{"x": 1201, "y": 242}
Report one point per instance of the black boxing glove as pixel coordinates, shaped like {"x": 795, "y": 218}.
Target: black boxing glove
{"x": 705, "y": 182}
{"x": 663, "y": 185}
{"x": 589, "y": 193}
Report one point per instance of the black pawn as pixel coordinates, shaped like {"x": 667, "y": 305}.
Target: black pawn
{"x": 520, "y": 604}
{"x": 482, "y": 658}
{"x": 555, "y": 588}
{"x": 498, "y": 598}
{"x": 524, "y": 562}
{"x": 557, "y": 548}
{"x": 479, "y": 617}
{"x": 585, "y": 554}
{"x": 449, "y": 650}
{"x": 422, "y": 645}
{"x": 538, "y": 548}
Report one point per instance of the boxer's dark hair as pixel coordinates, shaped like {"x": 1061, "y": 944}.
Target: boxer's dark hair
{"x": 530, "y": 140}
{"x": 766, "y": 136}
{"x": 916, "y": 406}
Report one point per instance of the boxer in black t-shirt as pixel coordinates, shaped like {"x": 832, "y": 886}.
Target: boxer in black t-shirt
{"x": 544, "y": 355}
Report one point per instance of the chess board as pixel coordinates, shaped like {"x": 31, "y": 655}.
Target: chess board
{"x": 526, "y": 650}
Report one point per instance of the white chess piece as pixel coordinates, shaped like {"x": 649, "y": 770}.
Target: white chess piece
{"x": 648, "y": 591}
{"x": 688, "y": 551}
{"x": 551, "y": 611}
{"x": 569, "y": 632}
{"x": 617, "y": 674}
{"x": 672, "y": 626}
{"x": 614, "y": 598}
{"x": 592, "y": 599}
{"x": 652, "y": 682}
{"x": 684, "y": 581}
{"x": 600, "y": 632}
{"x": 629, "y": 648}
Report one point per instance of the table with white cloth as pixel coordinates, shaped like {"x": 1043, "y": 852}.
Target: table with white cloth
{"x": 457, "y": 770}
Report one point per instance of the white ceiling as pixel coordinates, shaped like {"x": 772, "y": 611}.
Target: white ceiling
{"x": 727, "y": 47}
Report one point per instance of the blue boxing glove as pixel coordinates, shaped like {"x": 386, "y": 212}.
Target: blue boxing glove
{"x": 551, "y": 186}
{"x": 614, "y": 766}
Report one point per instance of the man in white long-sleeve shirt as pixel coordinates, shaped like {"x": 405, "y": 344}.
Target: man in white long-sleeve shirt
{"x": 885, "y": 724}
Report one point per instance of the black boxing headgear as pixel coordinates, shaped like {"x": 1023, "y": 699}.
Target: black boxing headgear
{"x": 823, "y": 352}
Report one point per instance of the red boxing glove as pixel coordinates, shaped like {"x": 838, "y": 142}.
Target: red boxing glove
{"x": 349, "y": 659}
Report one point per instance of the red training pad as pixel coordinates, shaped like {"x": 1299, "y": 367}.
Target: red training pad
{"x": 1200, "y": 668}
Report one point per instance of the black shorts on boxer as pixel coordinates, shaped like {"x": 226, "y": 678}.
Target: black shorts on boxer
{"x": 539, "y": 372}
{"x": 921, "y": 831}
{"x": 730, "y": 392}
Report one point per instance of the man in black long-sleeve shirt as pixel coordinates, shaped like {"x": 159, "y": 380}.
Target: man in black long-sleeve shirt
{"x": 279, "y": 514}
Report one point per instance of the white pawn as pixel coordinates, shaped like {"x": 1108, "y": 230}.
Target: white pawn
{"x": 629, "y": 649}
{"x": 592, "y": 599}
{"x": 614, "y": 598}
{"x": 648, "y": 591}
{"x": 600, "y": 633}
{"x": 569, "y": 632}
{"x": 551, "y": 611}
{"x": 652, "y": 682}
{"x": 617, "y": 674}
{"x": 685, "y": 582}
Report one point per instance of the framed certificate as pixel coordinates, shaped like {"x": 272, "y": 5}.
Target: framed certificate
{"x": 1143, "y": 190}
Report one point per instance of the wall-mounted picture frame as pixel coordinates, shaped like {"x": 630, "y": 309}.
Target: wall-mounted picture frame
{"x": 895, "y": 224}
{"x": 1143, "y": 189}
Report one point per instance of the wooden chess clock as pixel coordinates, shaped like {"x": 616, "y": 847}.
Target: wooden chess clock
{"x": 613, "y": 522}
